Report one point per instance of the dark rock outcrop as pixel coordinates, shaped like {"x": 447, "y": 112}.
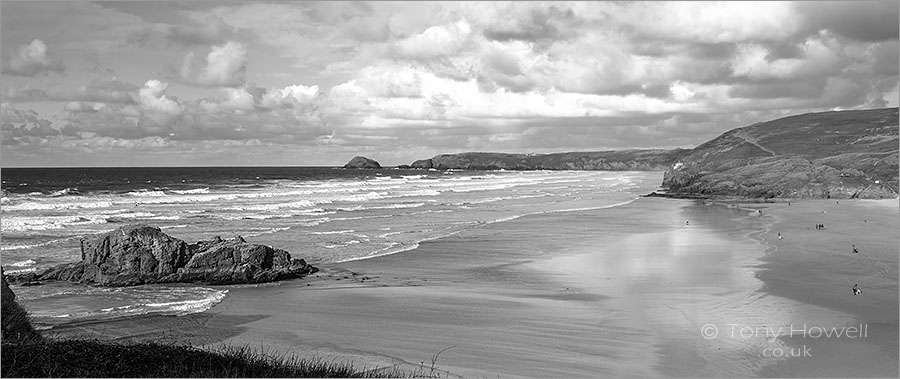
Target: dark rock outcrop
{"x": 845, "y": 154}
{"x": 140, "y": 254}
{"x": 362, "y": 162}
{"x": 638, "y": 160}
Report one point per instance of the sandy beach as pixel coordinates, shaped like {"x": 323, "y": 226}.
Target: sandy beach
{"x": 625, "y": 291}
{"x": 817, "y": 268}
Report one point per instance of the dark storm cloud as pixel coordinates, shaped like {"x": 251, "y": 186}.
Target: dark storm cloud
{"x": 886, "y": 58}
{"x": 860, "y": 20}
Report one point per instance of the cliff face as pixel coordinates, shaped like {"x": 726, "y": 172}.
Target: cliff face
{"x": 638, "y": 160}
{"x": 843, "y": 154}
{"x": 140, "y": 254}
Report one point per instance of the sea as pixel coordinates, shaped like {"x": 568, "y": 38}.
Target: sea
{"x": 321, "y": 214}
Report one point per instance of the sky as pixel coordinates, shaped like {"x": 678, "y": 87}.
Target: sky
{"x": 253, "y": 83}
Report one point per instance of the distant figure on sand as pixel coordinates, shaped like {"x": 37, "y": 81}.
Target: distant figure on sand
{"x": 856, "y": 290}
{"x": 854, "y": 250}
{"x": 687, "y": 222}
{"x": 779, "y": 236}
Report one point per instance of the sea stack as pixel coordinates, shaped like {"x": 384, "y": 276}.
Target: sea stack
{"x": 362, "y": 162}
{"x": 141, "y": 254}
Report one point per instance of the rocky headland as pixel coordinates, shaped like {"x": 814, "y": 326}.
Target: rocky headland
{"x": 841, "y": 154}
{"x": 140, "y": 254}
{"x": 624, "y": 160}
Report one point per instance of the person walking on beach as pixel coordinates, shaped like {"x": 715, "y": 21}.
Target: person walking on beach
{"x": 856, "y": 290}
{"x": 779, "y": 236}
{"x": 854, "y": 250}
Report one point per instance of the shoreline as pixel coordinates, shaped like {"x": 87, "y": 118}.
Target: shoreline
{"x": 527, "y": 284}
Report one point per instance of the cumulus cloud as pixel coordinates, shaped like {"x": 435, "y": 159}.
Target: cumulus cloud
{"x": 156, "y": 105}
{"x": 235, "y": 100}
{"x": 436, "y": 41}
{"x": 290, "y": 96}
{"x": 153, "y": 98}
{"x": 33, "y": 59}
{"x": 225, "y": 65}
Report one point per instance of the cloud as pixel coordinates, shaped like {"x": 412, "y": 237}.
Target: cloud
{"x": 33, "y": 59}
{"x": 433, "y": 77}
{"x": 110, "y": 90}
{"x": 83, "y": 106}
{"x": 226, "y": 66}
{"x": 208, "y": 30}
{"x": 436, "y": 41}
{"x": 153, "y": 98}
{"x": 794, "y": 89}
{"x": 390, "y": 81}
{"x": 17, "y": 126}
{"x": 821, "y": 56}
{"x": 236, "y": 100}
{"x": 155, "y": 105}
{"x": 868, "y": 21}
{"x": 531, "y": 24}
{"x": 290, "y": 96}
{"x": 705, "y": 22}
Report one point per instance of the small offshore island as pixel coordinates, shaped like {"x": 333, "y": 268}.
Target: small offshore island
{"x": 829, "y": 155}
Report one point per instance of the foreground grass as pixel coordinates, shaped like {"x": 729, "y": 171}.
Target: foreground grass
{"x": 94, "y": 358}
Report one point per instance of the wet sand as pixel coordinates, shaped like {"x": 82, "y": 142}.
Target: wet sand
{"x": 624, "y": 291}
{"x": 818, "y": 268}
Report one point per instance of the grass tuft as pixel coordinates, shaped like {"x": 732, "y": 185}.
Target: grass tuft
{"x": 95, "y": 358}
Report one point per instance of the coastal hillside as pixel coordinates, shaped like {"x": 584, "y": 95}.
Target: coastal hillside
{"x": 841, "y": 154}
{"x": 637, "y": 160}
